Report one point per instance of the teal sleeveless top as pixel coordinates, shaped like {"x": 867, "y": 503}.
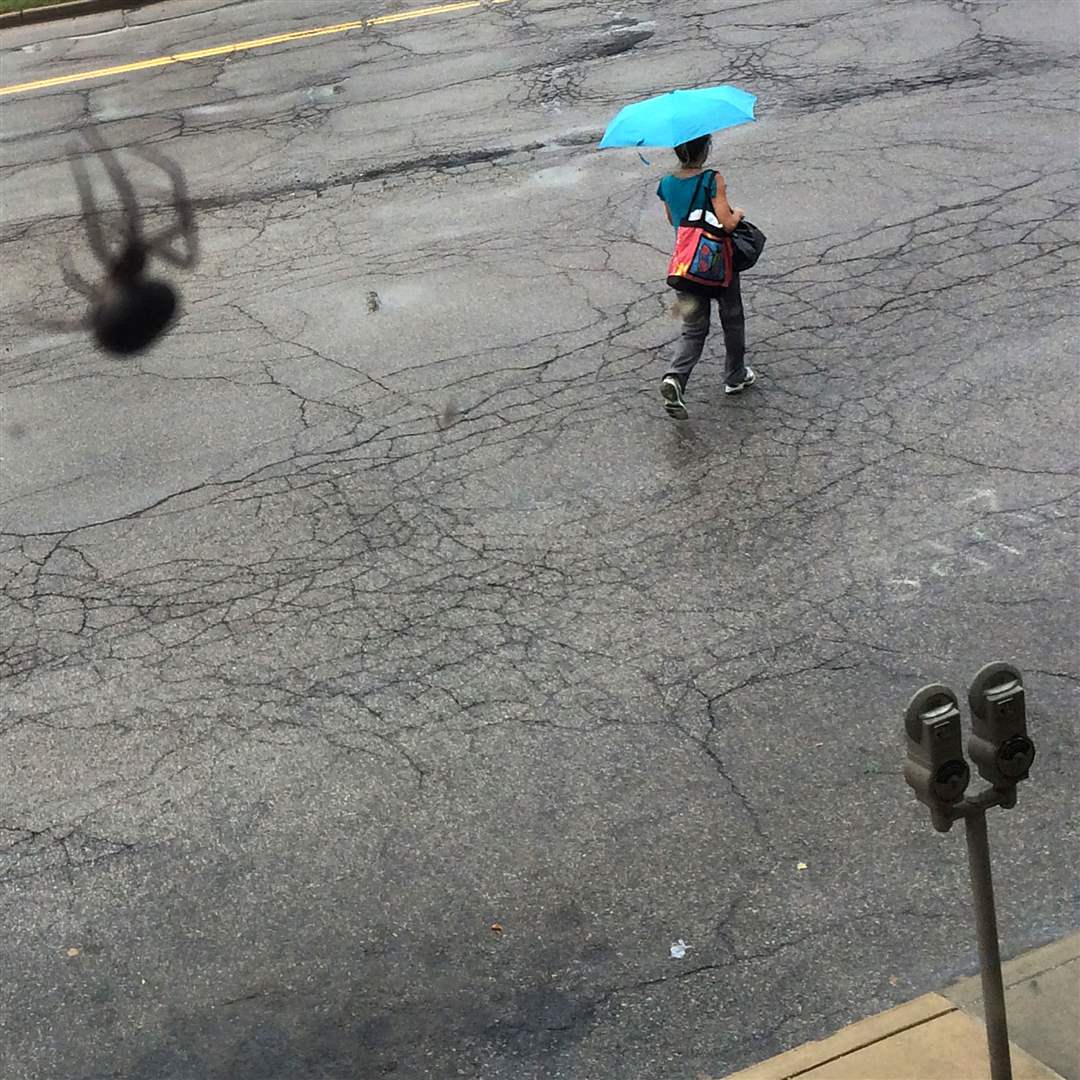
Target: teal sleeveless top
{"x": 679, "y": 194}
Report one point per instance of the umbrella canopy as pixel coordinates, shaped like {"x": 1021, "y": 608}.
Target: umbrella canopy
{"x": 679, "y": 116}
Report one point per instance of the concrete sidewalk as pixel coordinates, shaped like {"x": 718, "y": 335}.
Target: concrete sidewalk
{"x": 941, "y": 1037}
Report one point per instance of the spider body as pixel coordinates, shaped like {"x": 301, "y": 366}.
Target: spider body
{"x": 129, "y": 318}
{"x": 129, "y": 311}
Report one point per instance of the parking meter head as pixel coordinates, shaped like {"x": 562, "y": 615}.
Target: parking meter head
{"x": 999, "y": 743}
{"x": 935, "y": 767}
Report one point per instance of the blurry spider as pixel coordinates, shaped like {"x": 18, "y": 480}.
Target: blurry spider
{"x": 128, "y": 310}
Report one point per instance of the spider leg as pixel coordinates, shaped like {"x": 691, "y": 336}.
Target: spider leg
{"x": 59, "y": 326}
{"x": 124, "y": 188}
{"x": 73, "y": 279}
{"x": 159, "y": 245}
{"x": 94, "y": 233}
{"x": 185, "y": 227}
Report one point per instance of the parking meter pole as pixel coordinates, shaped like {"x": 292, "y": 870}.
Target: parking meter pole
{"x": 982, "y": 885}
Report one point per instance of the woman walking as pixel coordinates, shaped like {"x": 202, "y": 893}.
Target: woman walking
{"x": 692, "y": 187}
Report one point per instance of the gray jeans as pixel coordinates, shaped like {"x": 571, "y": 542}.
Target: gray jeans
{"x": 696, "y": 318}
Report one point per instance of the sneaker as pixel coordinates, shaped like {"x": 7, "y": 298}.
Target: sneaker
{"x": 737, "y": 388}
{"x": 671, "y": 392}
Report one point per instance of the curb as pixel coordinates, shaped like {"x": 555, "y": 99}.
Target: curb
{"x": 941, "y": 1037}
{"x": 928, "y": 1038}
{"x": 53, "y": 12}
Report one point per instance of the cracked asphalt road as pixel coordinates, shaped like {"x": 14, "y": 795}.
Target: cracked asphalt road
{"x": 382, "y": 602}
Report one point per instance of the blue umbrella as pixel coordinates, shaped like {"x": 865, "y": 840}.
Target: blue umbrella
{"x": 678, "y": 116}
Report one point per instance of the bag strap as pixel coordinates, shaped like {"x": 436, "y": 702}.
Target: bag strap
{"x": 697, "y": 191}
{"x": 694, "y": 197}
{"x": 710, "y": 173}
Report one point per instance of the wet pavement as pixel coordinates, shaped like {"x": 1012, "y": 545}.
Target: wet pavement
{"x": 381, "y": 602}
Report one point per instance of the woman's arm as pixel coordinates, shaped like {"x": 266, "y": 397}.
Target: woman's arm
{"x": 660, "y": 196}
{"x": 727, "y": 215}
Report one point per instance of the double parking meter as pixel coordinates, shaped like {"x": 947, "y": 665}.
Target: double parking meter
{"x": 999, "y": 744}
{"x": 936, "y": 769}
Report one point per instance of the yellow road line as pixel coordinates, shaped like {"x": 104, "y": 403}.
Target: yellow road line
{"x": 242, "y": 46}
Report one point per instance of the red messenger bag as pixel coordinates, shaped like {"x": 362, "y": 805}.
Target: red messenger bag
{"x": 702, "y": 262}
